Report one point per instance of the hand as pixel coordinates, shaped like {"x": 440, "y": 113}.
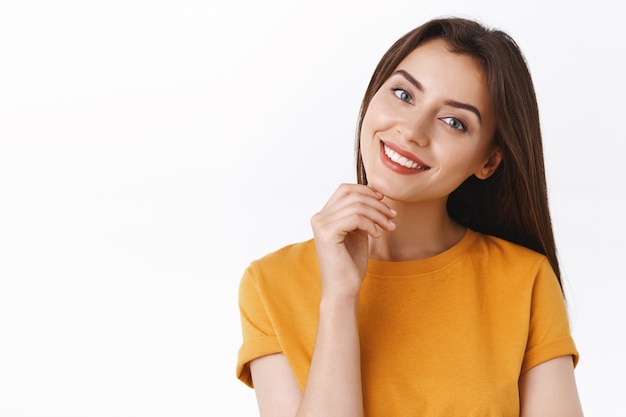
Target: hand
{"x": 341, "y": 230}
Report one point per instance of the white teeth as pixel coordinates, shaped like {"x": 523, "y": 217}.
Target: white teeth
{"x": 399, "y": 159}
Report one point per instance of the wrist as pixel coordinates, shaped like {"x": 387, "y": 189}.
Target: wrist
{"x": 339, "y": 303}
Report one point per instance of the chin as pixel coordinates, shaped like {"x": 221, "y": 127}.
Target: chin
{"x": 382, "y": 186}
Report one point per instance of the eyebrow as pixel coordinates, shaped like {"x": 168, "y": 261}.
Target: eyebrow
{"x": 452, "y": 103}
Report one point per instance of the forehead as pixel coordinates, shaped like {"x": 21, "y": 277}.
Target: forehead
{"x": 457, "y": 76}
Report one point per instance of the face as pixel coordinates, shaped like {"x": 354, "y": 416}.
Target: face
{"x": 429, "y": 127}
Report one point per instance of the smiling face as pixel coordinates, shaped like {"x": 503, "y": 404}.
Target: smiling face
{"x": 429, "y": 127}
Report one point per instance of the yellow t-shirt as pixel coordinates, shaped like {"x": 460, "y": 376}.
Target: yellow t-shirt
{"x": 444, "y": 336}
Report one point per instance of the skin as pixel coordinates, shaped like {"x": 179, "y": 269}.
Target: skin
{"x": 436, "y": 110}
{"x": 453, "y": 142}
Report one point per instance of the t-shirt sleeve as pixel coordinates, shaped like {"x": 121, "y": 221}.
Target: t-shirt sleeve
{"x": 549, "y": 332}
{"x": 259, "y": 338}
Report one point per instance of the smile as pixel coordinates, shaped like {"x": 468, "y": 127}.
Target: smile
{"x": 403, "y": 160}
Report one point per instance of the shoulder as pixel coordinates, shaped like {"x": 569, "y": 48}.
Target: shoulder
{"x": 300, "y": 253}
{"x": 500, "y": 250}
{"x": 499, "y": 257}
{"x": 297, "y": 260}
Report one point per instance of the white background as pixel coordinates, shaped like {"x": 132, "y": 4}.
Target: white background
{"x": 149, "y": 150}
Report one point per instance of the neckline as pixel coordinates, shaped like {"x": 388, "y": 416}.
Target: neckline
{"x": 390, "y": 268}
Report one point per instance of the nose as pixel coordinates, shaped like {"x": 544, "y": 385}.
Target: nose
{"x": 416, "y": 129}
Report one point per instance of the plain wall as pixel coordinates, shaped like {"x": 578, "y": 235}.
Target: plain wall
{"x": 149, "y": 150}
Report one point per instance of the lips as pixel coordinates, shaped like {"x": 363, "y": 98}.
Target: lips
{"x": 400, "y": 160}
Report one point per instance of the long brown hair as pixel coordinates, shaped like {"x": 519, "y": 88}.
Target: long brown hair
{"x": 513, "y": 202}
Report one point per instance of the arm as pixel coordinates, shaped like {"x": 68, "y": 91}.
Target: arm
{"x": 276, "y": 388}
{"x": 334, "y": 381}
{"x": 549, "y": 390}
{"x": 341, "y": 229}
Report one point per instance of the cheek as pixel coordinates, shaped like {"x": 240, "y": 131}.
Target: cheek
{"x": 367, "y": 133}
{"x": 368, "y": 145}
{"x": 366, "y": 126}
{"x": 463, "y": 161}
{"x": 376, "y": 119}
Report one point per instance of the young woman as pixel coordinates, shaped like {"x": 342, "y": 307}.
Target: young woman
{"x": 431, "y": 287}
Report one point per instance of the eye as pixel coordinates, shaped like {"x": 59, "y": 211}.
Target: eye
{"x": 454, "y": 123}
{"x": 402, "y": 95}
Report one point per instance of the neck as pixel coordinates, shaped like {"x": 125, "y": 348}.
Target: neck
{"x": 423, "y": 230}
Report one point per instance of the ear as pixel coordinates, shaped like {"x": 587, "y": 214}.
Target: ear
{"x": 491, "y": 164}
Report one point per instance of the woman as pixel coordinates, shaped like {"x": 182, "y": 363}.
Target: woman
{"x": 431, "y": 287}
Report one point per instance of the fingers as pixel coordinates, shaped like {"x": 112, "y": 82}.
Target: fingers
{"x": 352, "y": 214}
{"x": 347, "y": 194}
{"x": 347, "y": 190}
{"x": 353, "y": 207}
